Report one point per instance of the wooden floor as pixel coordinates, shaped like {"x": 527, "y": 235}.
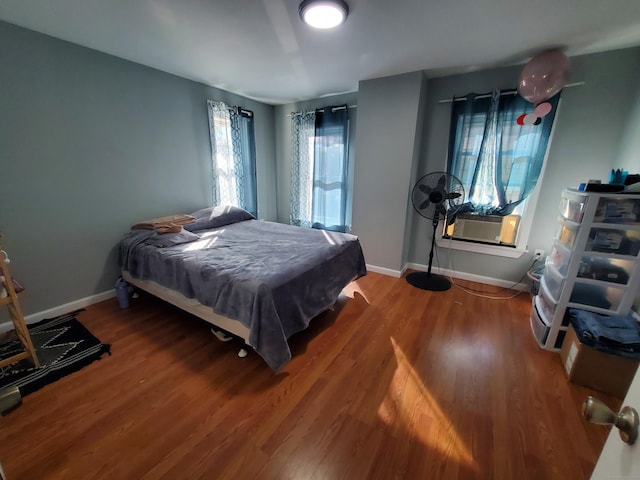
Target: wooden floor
{"x": 395, "y": 383}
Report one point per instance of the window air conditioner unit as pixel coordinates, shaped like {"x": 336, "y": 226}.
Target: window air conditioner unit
{"x": 485, "y": 228}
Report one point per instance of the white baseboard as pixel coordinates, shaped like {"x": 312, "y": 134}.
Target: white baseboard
{"x": 385, "y": 271}
{"x": 470, "y": 276}
{"x": 442, "y": 271}
{"x": 62, "y": 309}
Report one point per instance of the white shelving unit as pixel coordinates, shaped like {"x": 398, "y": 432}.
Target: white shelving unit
{"x": 594, "y": 263}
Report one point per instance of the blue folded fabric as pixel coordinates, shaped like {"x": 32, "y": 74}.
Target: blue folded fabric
{"x": 613, "y": 334}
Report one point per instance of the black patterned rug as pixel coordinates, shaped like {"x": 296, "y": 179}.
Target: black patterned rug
{"x": 63, "y": 346}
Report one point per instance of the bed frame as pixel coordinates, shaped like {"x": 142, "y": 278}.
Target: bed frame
{"x": 221, "y": 325}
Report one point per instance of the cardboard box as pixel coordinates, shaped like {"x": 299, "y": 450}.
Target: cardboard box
{"x": 586, "y": 366}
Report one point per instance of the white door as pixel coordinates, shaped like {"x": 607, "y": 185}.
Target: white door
{"x": 618, "y": 460}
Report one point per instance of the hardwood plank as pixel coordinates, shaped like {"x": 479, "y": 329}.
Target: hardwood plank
{"x": 395, "y": 382}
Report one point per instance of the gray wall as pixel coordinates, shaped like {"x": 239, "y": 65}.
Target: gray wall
{"x": 387, "y": 137}
{"x": 89, "y": 144}
{"x": 629, "y": 154}
{"x": 590, "y": 126}
{"x": 412, "y": 216}
{"x": 283, "y": 142}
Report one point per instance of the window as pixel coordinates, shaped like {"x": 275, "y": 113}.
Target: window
{"x": 319, "y": 173}
{"x": 233, "y": 156}
{"x": 498, "y": 160}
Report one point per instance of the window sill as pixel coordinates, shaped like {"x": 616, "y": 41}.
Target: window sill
{"x": 496, "y": 250}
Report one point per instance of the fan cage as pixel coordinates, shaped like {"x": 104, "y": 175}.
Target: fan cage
{"x": 429, "y": 186}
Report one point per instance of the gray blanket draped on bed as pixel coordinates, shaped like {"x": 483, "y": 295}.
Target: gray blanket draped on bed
{"x": 273, "y": 278}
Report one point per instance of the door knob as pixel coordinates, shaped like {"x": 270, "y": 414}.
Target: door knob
{"x": 626, "y": 420}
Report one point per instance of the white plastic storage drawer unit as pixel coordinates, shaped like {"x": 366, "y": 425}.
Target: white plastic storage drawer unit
{"x": 596, "y": 296}
{"x": 552, "y": 280}
{"x": 594, "y": 264}
{"x": 538, "y": 326}
{"x": 546, "y": 305}
{"x": 606, "y": 269}
{"x": 566, "y": 232}
{"x": 560, "y": 256}
{"x": 572, "y": 208}
{"x": 614, "y": 240}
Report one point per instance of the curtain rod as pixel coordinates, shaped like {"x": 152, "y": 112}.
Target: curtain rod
{"x": 506, "y": 92}
{"x": 240, "y": 110}
{"x": 321, "y": 110}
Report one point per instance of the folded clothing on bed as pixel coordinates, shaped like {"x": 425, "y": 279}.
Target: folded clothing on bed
{"x": 171, "y": 239}
{"x": 164, "y": 222}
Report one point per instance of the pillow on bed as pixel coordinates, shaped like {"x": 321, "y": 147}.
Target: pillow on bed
{"x": 214, "y": 217}
{"x": 171, "y": 239}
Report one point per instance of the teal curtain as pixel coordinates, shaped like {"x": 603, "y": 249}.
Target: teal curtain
{"x": 244, "y": 158}
{"x": 497, "y": 159}
{"x": 330, "y": 169}
{"x": 319, "y": 168}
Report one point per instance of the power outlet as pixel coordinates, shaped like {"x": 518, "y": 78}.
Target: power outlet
{"x": 538, "y": 254}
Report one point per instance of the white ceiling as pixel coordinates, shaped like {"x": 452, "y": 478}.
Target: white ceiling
{"x": 261, "y": 49}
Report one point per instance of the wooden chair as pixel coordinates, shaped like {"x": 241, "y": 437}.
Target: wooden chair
{"x": 12, "y": 303}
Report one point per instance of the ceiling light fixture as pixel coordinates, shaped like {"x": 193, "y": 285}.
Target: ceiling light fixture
{"x": 323, "y": 13}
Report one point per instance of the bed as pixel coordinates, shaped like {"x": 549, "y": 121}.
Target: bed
{"x": 258, "y": 280}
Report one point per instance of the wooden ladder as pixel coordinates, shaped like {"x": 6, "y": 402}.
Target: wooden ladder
{"x": 22, "y": 332}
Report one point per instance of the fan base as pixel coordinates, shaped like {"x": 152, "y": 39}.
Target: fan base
{"x": 426, "y": 281}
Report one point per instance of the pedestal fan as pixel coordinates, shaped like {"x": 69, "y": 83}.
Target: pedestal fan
{"x": 432, "y": 196}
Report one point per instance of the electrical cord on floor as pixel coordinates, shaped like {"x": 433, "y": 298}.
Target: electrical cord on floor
{"x": 480, "y": 293}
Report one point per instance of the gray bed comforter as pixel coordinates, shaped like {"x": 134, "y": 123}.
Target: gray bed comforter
{"x": 272, "y": 277}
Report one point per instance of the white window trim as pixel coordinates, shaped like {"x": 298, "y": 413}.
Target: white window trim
{"x": 498, "y": 250}
{"x": 526, "y": 221}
